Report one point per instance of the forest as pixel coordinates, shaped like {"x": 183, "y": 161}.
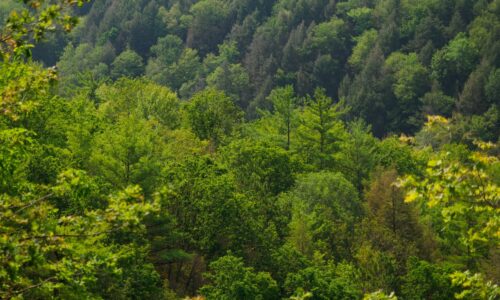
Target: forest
{"x": 250, "y": 149}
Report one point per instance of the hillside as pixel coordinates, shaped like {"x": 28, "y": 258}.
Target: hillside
{"x": 249, "y": 149}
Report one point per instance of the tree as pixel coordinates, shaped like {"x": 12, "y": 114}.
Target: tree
{"x": 474, "y": 286}
{"x": 357, "y": 155}
{"x": 172, "y": 64}
{"x": 76, "y": 62}
{"x": 325, "y": 207}
{"x": 379, "y": 295}
{"x": 258, "y": 168}
{"x": 230, "y": 279}
{"x": 233, "y": 80}
{"x": 473, "y": 99}
{"x": 62, "y": 236}
{"x": 367, "y": 94}
{"x": 32, "y": 23}
{"x": 183, "y": 73}
{"x": 362, "y": 18}
{"x": 212, "y": 115}
{"x": 167, "y": 50}
{"x": 389, "y": 234}
{"x": 437, "y": 103}
{"x": 127, "y": 153}
{"x": 410, "y": 83}
{"x": 139, "y": 97}
{"x": 392, "y": 224}
{"x": 330, "y": 37}
{"x": 209, "y": 25}
{"x": 320, "y": 130}
{"x": 201, "y": 197}
{"x": 127, "y": 64}
{"x": 453, "y": 64}
{"x": 284, "y": 104}
{"x": 326, "y": 281}
{"x": 44, "y": 254}
{"x": 465, "y": 197}
{"x": 492, "y": 87}
{"x": 364, "y": 43}
{"x": 427, "y": 281}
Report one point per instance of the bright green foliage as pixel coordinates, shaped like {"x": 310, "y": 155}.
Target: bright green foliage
{"x": 173, "y": 65}
{"x": 44, "y": 253}
{"x": 377, "y": 268}
{"x": 435, "y": 133}
{"x": 167, "y": 50}
{"x": 75, "y": 62}
{"x": 320, "y": 130}
{"x": 32, "y": 23}
{"x": 364, "y": 43}
{"x": 453, "y": 62}
{"x": 380, "y": 295}
{"x": 362, "y": 18}
{"x": 474, "y": 286}
{"x": 393, "y": 153}
{"x": 127, "y": 153}
{"x": 113, "y": 188}
{"x": 63, "y": 236}
{"x": 22, "y": 88}
{"x": 15, "y": 149}
{"x": 6, "y": 7}
{"x": 326, "y": 281}
{"x": 212, "y": 115}
{"x": 139, "y": 98}
{"x": 279, "y": 126}
{"x": 466, "y": 198}
{"x": 284, "y": 104}
{"x": 230, "y": 279}
{"x": 329, "y": 37}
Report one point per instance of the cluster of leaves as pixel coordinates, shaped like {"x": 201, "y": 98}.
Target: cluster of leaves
{"x": 33, "y": 22}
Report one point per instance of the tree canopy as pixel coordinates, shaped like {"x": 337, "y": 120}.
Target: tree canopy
{"x": 237, "y": 149}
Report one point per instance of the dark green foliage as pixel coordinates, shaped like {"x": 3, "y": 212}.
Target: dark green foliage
{"x": 208, "y": 25}
{"x": 127, "y": 64}
{"x": 427, "y": 281}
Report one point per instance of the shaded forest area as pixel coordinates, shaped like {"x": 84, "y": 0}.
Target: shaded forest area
{"x": 249, "y": 149}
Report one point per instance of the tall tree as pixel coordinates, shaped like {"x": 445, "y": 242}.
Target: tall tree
{"x": 284, "y": 104}
{"x": 212, "y": 115}
{"x": 320, "y": 130}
